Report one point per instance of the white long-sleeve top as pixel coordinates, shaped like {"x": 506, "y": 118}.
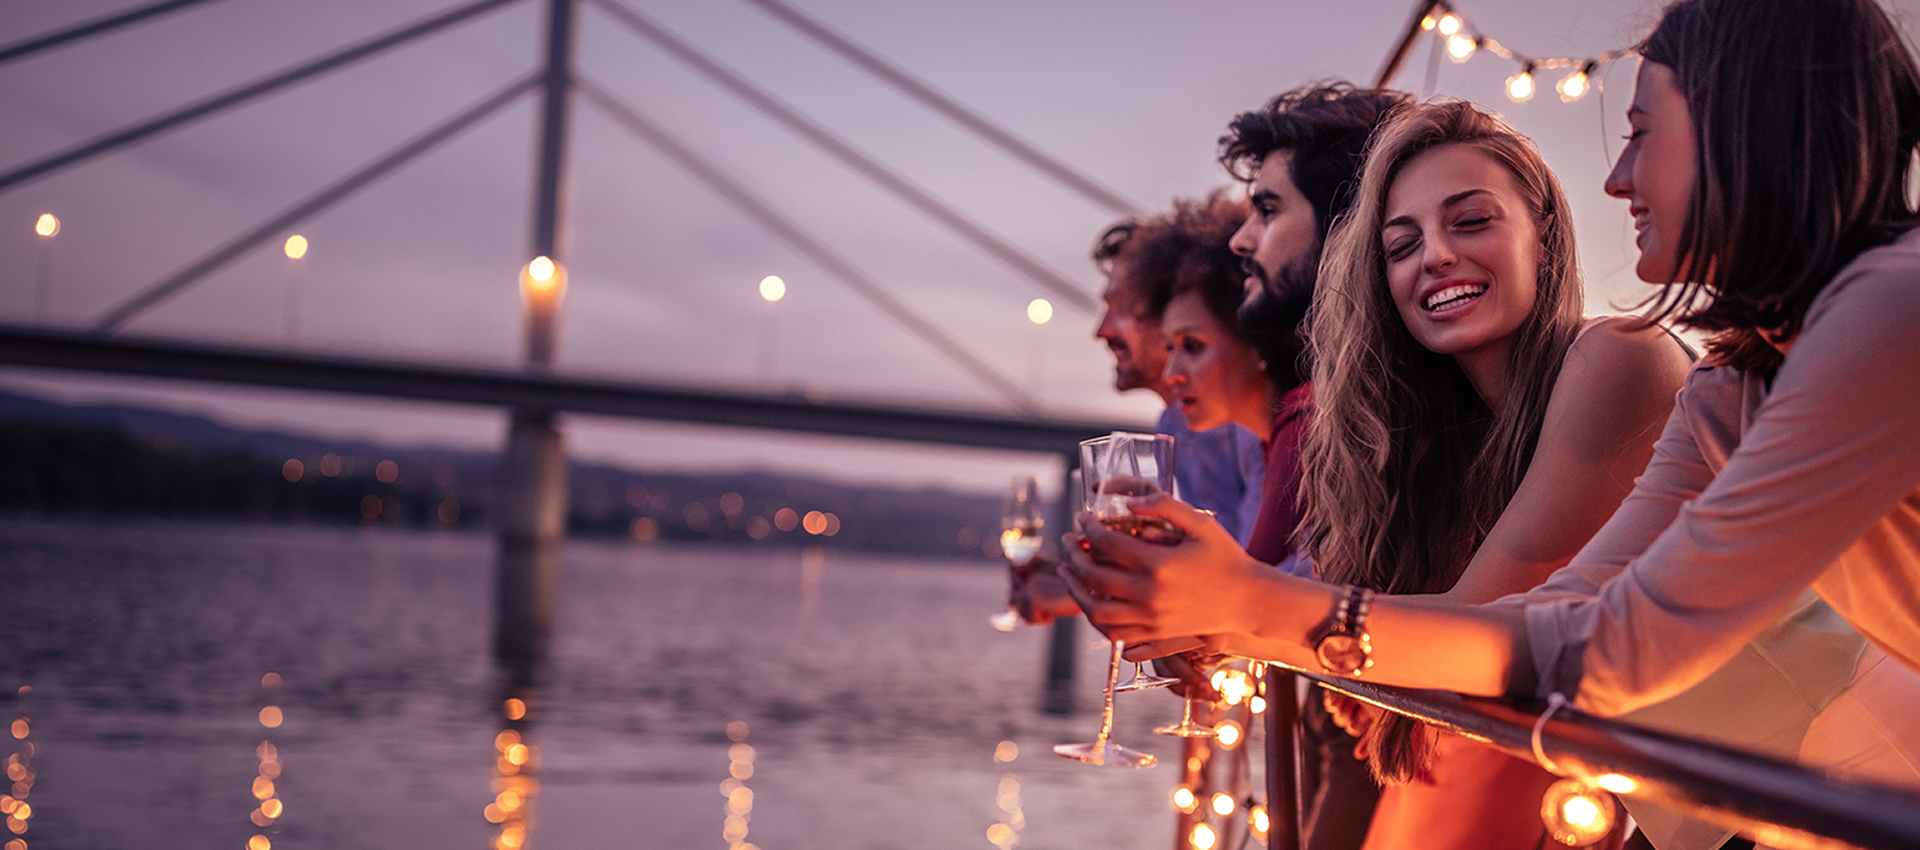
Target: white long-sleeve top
{"x": 1754, "y": 495}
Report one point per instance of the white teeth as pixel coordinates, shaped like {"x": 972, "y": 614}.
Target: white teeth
{"x": 1460, "y": 292}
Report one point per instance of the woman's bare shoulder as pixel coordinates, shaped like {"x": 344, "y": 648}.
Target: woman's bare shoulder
{"x": 1622, "y": 351}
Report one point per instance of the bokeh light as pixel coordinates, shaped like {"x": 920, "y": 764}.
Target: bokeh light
{"x": 1039, "y": 311}
{"x": 47, "y": 225}
{"x": 772, "y": 288}
{"x": 296, "y": 247}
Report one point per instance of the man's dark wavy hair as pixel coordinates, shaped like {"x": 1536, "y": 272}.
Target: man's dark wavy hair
{"x": 1325, "y": 126}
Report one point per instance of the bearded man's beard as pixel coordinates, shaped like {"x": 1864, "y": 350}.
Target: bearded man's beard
{"x": 1275, "y": 315}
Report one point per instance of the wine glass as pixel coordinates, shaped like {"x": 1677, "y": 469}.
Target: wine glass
{"x": 1102, "y": 751}
{"x": 1112, "y": 468}
{"x": 1022, "y": 517}
{"x": 1125, "y": 465}
{"x": 1187, "y": 728}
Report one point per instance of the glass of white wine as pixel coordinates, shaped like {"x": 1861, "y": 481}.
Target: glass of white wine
{"x": 1121, "y": 465}
{"x": 1114, "y": 468}
{"x": 1022, "y": 519}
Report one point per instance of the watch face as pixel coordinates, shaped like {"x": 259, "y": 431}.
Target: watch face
{"x": 1344, "y": 655}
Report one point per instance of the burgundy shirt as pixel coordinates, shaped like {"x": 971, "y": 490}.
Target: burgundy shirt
{"x": 1280, "y": 508}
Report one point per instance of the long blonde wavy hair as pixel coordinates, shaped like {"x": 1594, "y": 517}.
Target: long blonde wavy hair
{"x": 1407, "y": 468}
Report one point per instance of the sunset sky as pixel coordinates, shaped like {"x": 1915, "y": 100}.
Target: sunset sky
{"x": 664, "y": 274}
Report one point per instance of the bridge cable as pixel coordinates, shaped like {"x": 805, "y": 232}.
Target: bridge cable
{"x": 944, "y": 104}
{"x": 97, "y": 26}
{"x": 859, "y": 161}
{"x": 244, "y": 93}
{"x": 797, "y": 238}
{"x": 198, "y": 269}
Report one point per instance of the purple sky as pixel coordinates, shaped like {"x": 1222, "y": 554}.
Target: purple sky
{"x": 663, "y": 273}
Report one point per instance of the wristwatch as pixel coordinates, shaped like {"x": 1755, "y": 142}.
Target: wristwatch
{"x": 1341, "y": 641}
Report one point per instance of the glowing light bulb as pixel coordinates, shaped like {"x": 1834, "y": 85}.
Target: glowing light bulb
{"x": 1183, "y": 799}
{"x": 47, "y": 225}
{"x": 1228, "y": 734}
{"x": 772, "y": 288}
{"x": 1461, "y": 48}
{"x": 1223, "y": 804}
{"x": 1039, "y": 311}
{"x": 1428, "y": 22}
{"x": 1449, "y": 24}
{"x": 1573, "y": 86}
{"x": 296, "y": 247}
{"x": 543, "y": 278}
{"x": 1520, "y": 87}
{"x": 1576, "y": 814}
{"x": 1258, "y": 705}
{"x": 1257, "y": 816}
{"x": 1203, "y": 837}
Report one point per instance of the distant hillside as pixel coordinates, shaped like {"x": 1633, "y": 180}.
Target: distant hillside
{"x": 120, "y": 460}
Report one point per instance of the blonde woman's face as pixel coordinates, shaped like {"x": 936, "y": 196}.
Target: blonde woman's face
{"x": 1655, "y": 172}
{"x": 1462, "y": 252}
{"x": 1212, "y": 378}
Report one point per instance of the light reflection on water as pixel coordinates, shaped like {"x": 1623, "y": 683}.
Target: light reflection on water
{"x": 877, "y": 700}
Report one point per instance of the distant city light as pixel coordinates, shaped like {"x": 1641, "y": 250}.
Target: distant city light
{"x": 542, "y": 280}
{"x": 296, "y": 246}
{"x": 1039, "y": 311}
{"x": 47, "y": 225}
{"x": 773, "y": 288}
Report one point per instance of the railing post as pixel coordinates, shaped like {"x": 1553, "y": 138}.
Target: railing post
{"x": 1283, "y": 760}
{"x": 533, "y": 503}
{"x": 1062, "y": 652}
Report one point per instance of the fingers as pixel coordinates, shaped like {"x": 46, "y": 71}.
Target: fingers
{"x": 1155, "y": 650}
{"x": 1112, "y": 548}
{"x": 1185, "y": 517}
{"x": 1103, "y": 581}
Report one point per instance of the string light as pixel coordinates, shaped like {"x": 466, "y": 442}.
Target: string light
{"x": 1463, "y": 40}
{"x": 1461, "y": 48}
{"x": 1573, "y": 86}
{"x": 1576, "y": 813}
{"x": 1520, "y": 86}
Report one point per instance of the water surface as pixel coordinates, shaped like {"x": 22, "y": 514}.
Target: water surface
{"x": 873, "y": 692}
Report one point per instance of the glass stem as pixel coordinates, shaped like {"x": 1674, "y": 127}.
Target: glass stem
{"x": 1113, "y": 678}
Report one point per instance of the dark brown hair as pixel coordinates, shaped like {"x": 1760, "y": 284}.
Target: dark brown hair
{"x": 1180, "y": 251}
{"x": 1325, "y": 126}
{"x": 1805, "y": 116}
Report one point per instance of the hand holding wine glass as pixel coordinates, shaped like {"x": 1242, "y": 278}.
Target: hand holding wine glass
{"x": 1022, "y": 520}
{"x": 1114, "y": 468}
{"x": 1139, "y": 592}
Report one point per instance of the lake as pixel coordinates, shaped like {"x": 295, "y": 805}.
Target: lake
{"x": 874, "y": 697}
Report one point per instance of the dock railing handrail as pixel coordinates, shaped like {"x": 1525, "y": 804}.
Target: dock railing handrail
{"x": 1776, "y": 803}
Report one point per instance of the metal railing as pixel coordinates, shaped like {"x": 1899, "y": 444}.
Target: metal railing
{"x": 1773, "y": 802}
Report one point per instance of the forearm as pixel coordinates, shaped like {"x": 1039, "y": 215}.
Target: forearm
{"x": 1417, "y": 642}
